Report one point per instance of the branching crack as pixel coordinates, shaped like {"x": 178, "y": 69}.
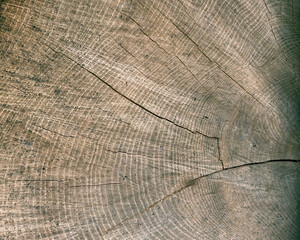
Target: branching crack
{"x": 191, "y": 183}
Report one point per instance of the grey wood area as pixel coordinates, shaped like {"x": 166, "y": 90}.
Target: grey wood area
{"x": 150, "y": 119}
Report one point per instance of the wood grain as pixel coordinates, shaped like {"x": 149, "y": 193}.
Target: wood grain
{"x": 135, "y": 119}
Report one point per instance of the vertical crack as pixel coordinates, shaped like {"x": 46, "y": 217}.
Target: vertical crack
{"x": 219, "y": 153}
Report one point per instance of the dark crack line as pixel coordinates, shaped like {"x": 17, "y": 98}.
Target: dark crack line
{"x": 54, "y": 132}
{"x": 133, "y": 57}
{"x": 239, "y": 84}
{"x": 220, "y": 67}
{"x": 284, "y": 54}
{"x": 200, "y": 50}
{"x": 212, "y": 61}
{"x": 124, "y": 152}
{"x": 127, "y": 98}
{"x": 152, "y": 40}
{"x": 191, "y": 183}
{"x": 187, "y": 68}
{"x": 217, "y": 64}
{"x": 269, "y": 21}
{"x": 267, "y": 7}
{"x": 219, "y": 153}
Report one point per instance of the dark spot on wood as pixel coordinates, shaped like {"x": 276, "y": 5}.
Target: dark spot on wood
{"x": 36, "y": 79}
{"x": 36, "y": 28}
{"x": 57, "y": 91}
{"x": 27, "y": 143}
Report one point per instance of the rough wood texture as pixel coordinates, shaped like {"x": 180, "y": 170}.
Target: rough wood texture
{"x": 140, "y": 119}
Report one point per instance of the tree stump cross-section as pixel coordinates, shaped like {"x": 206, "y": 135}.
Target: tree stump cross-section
{"x": 141, "y": 119}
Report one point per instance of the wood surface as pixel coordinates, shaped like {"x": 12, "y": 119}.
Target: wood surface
{"x": 141, "y": 119}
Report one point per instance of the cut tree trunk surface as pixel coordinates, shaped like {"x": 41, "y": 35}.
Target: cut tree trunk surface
{"x": 141, "y": 119}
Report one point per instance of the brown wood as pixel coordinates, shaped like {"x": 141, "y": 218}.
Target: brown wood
{"x": 141, "y": 119}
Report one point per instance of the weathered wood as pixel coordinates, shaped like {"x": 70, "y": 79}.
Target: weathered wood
{"x": 135, "y": 119}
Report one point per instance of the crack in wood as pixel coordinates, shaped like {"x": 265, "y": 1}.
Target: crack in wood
{"x": 129, "y": 99}
{"x": 219, "y": 154}
{"x": 191, "y": 183}
{"x": 54, "y": 132}
{"x": 212, "y": 61}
